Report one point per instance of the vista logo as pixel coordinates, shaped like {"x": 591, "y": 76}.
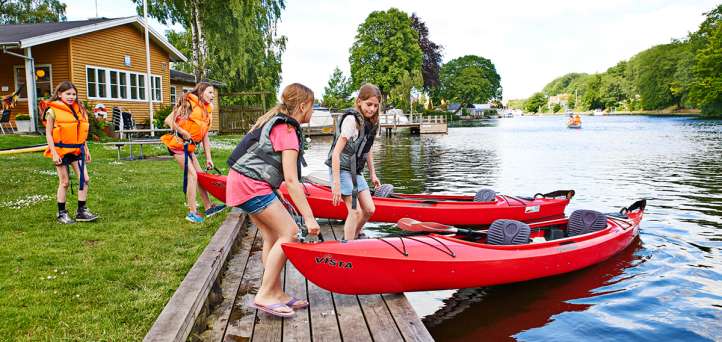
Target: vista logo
{"x": 330, "y": 261}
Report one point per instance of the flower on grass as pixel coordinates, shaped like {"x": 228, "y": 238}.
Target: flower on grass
{"x": 24, "y": 202}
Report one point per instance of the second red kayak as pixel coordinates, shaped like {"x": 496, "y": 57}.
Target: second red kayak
{"x": 459, "y": 210}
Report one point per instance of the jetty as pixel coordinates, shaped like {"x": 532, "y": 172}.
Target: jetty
{"x": 211, "y": 302}
{"x": 389, "y": 123}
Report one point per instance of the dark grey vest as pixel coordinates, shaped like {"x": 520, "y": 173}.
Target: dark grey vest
{"x": 354, "y": 154}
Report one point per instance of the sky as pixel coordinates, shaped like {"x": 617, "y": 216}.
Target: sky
{"x": 530, "y": 42}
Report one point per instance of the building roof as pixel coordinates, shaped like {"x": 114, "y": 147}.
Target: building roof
{"x": 28, "y": 35}
{"x": 180, "y": 76}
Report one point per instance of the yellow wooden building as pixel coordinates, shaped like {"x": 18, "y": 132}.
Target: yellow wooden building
{"x": 105, "y": 58}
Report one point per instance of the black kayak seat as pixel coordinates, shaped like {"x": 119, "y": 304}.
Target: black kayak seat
{"x": 586, "y": 221}
{"x": 485, "y": 195}
{"x": 508, "y": 232}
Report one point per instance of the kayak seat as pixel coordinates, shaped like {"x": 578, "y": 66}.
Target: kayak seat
{"x": 586, "y": 221}
{"x": 508, "y": 232}
{"x": 385, "y": 190}
{"x": 485, "y": 195}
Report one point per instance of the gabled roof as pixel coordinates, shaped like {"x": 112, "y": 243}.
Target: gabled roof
{"x": 28, "y": 35}
{"x": 181, "y": 76}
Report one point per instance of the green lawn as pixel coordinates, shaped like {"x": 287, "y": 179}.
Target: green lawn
{"x": 106, "y": 280}
{"x": 17, "y": 140}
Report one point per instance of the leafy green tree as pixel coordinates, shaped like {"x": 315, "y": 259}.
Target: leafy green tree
{"x": 182, "y": 41}
{"x": 336, "y": 94}
{"x": 31, "y": 11}
{"x": 556, "y": 108}
{"x": 400, "y": 94}
{"x": 655, "y": 76}
{"x": 384, "y": 48}
{"x": 431, "y": 63}
{"x": 470, "y": 79}
{"x": 561, "y": 84}
{"x": 535, "y": 102}
{"x": 706, "y": 86}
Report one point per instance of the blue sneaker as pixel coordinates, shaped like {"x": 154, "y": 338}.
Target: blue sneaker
{"x": 193, "y": 217}
{"x": 215, "y": 210}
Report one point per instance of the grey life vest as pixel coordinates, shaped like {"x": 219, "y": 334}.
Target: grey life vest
{"x": 255, "y": 158}
{"x": 354, "y": 154}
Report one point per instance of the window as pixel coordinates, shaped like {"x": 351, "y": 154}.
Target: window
{"x": 43, "y": 81}
{"x": 155, "y": 88}
{"x": 118, "y": 84}
{"x": 123, "y": 85}
{"x": 173, "y": 95}
{"x": 114, "y": 84}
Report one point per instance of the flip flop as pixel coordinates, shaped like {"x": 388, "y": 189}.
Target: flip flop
{"x": 272, "y": 309}
{"x": 297, "y": 304}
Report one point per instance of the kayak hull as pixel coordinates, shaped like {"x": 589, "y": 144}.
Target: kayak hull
{"x": 434, "y": 262}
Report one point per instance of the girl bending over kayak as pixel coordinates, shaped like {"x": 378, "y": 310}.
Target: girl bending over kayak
{"x": 66, "y": 131}
{"x": 272, "y": 153}
{"x": 190, "y": 121}
{"x": 351, "y": 149}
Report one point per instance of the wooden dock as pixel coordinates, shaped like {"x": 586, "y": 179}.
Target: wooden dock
{"x": 224, "y": 315}
{"x": 390, "y": 123}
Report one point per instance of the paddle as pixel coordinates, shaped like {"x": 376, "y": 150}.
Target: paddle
{"x": 411, "y": 225}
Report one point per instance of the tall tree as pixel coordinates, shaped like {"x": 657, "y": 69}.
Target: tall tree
{"x": 182, "y": 41}
{"x": 336, "y": 94}
{"x": 706, "y": 85}
{"x": 385, "y": 47}
{"x": 431, "y": 63}
{"x": 535, "y": 102}
{"x": 400, "y": 94}
{"x": 470, "y": 79}
{"x": 31, "y": 11}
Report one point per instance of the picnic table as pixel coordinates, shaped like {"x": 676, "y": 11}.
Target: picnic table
{"x": 134, "y": 139}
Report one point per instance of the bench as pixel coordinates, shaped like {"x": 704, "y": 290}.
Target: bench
{"x": 140, "y": 143}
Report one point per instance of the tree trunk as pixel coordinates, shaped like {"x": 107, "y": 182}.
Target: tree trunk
{"x": 200, "y": 45}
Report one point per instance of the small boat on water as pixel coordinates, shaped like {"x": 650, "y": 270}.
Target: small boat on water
{"x": 510, "y": 251}
{"x": 462, "y": 210}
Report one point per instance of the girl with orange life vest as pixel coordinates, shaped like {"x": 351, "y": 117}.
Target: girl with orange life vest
{"x": 190, "y": 121}
{"x": 66, "y": 131}
{"x": 270, "y": 154}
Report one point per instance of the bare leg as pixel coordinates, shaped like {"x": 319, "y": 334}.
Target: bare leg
{"x": 82, "y": 194}
{"x": 275, "y": 218}
{"x": 204, "y": 195}
{"x": 192, "y": 180}
{"x": 63, "y": 184}
{"x": 366, "y": 202}
{"x": 353, "y": 219}
{"x": 269, "y": 237}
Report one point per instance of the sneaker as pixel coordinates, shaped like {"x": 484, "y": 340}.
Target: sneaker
{"x": 193, "y": 217}
{"x": 215, "y": 210}
{"x": 64, "y": 218}
{"x": 84, "y": 215}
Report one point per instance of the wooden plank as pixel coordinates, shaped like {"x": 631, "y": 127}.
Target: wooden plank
{"x": 240, "y": 322}
{"x": 406, "y": 319}
{"x": 176, "y": 320}
{"x": 230, "y": 284}
{"x": 268, "y": 327}
{"x": 379, "y": 319}
{"x": 351, "y": 318}
{"x": 298, "y": 327}
{"x": 324, "y": 325}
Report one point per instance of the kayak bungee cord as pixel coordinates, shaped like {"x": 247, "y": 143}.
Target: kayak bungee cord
{"x": 404, "y": 252}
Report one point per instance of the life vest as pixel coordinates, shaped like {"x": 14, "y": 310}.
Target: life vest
{"x": 197, "y": 124}
{"x": 70, "y": 128}
{"x": 255, "y": 158}
{"x": 355, "y": 153}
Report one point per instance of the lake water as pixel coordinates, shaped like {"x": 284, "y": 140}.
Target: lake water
{"x": 666, "y": 286}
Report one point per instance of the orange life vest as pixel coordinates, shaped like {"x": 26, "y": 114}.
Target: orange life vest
{"x": 69, "y": 127}
{"x": 197, "y": 124}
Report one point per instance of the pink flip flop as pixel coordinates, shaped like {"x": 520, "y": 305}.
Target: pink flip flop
{"x": 297, "y": 304}
{"x": 272, "y": 309}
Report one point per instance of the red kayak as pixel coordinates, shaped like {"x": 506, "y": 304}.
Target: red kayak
{"x": 456, "y": 210}
{"x": 501, "y": 255}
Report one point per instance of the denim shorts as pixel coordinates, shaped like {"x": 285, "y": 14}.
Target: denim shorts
{"x": 347, "y": 185}
{"x": 256, "y": 204}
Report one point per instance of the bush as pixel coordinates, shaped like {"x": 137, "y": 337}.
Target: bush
{"x": 22, "y": 117}
{"x": 160, "y": 115}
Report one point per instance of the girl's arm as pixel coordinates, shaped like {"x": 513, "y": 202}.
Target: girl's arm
{"x": 49, "y": 123}
{"x": 87, "y": 153}
{"x": 207, "y": 151}
{"x": 336, "y": 170}
{"x": 372, "y": 171}
{"x": 289, "y": 160}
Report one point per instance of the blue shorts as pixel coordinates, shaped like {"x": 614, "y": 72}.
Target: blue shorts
{"x": 347, "y": 185}
{"x": 256, "y": 204}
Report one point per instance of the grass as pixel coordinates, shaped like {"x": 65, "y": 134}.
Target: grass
{"x": 16, "y": 140}
{"x": 106, "y": 280}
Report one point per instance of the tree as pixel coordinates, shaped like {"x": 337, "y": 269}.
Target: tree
{"x": 384, "y": 48}
{"x": 336, "y": 94}
{"x": 535, "y": 102}
{"x": 31, "y": 11}
{"x": 182, "y": 41}
{"x": 470, "y": 79}
{"x": 561, "y": 84}
{"x": 656, "y": 68}
{"x": 400, "y": 95}
{"x": 706, "y": 86}
{"x": 431, "y": 63}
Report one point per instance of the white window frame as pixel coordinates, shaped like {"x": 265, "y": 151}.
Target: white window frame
{"x": 127, "y": 73}
{"x": 15, "y": 77}
{"x": 173, "y": 95}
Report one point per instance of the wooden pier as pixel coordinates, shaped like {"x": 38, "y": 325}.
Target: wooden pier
{"x": 223, "y": 314}
{"x": 390, "y": 123}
